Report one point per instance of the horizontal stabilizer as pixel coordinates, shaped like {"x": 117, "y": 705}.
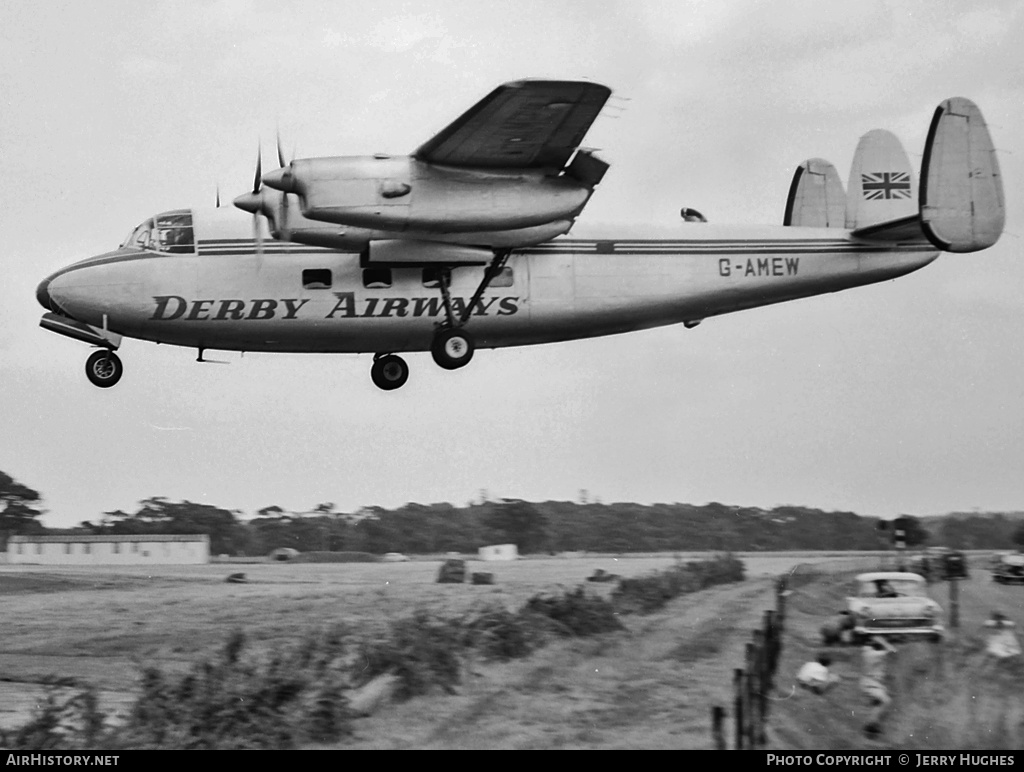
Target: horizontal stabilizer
{"x": 962, "y": 205}
{"x": 816, "y": 196}
{"x": 882, "y": 187}
{"x": 899, "y": 231}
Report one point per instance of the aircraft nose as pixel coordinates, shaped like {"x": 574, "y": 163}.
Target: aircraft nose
{"x": 43, "y": 294}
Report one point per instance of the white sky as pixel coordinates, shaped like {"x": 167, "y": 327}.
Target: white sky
{"x": 903, "y": 397}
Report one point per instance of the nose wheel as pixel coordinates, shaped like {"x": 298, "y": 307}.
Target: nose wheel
{"x": 389, "y": 372}
{"x": 103, "y": 368}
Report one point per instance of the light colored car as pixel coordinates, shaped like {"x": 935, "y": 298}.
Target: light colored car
{"x": 1009, "y": 568}
{"x": 394, "y": 557}
{"x": 894, "y": 604}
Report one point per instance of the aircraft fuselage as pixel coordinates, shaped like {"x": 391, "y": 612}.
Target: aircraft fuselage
{"x": 296, "y": 298}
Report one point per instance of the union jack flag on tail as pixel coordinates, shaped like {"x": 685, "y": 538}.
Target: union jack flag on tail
{"x": 884, "y": 185}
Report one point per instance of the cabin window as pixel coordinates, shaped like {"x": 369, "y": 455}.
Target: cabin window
{"x": 432, "y": 277}
{"x": 67, "y": 548}
{"x": 316, "y": 278}
{"x": 135, "y": 546}
{"x": 504, "y": 279}
{"x": 39, "y": 549}
{"x": 18, "y": 548}
{"x": 116, "y": 547}
{"x": 86, "y": 548}
{"x": 376, "y": 278}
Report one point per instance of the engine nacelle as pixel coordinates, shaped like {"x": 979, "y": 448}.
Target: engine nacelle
{"x": 400, "y": 194}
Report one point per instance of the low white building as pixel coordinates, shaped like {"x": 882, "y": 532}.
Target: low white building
{"x": 499, "y": 552}
{"x": 187, "y": 549}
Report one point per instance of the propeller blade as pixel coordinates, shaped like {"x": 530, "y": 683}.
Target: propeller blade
{"x": 280, "y": 153}
{"x": 218, "y": 196}
{"x": 258, "y": 179}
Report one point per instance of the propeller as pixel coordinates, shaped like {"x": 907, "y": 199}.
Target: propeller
{"x": 257, "y": 183}
{"x": 253, "y": 202}
{"x": 282, "y": 226}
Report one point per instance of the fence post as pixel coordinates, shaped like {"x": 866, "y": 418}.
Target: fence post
{"x": 760, "y": 690}
{"x": 954, "y": 603}
{"x": 717, "y": 727}
{"x": 739, "y": 689}
{"x": 780, "y": 598}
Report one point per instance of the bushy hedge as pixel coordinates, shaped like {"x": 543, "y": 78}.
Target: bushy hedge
{"x": 335, "y": 557}
{"x": 644, "y": 594}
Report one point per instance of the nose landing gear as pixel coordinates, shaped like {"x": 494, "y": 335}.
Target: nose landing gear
{"x": 103, "y": 368}
{"x": 389, "y": 372}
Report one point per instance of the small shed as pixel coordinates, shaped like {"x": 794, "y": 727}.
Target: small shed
{"x": 499, "y": 552}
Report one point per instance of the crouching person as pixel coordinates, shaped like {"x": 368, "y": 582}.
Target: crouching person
{"x": 816, "y": 676}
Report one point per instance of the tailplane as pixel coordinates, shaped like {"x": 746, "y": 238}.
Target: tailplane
{"x": 960, "y": 206}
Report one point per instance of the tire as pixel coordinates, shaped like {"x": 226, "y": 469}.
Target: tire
{"x": 452, "y": 348}
{"x": 389, "y": 372}
{"x": 103, "y": 368}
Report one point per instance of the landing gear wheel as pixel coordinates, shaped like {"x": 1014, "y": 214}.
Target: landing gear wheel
{"x": 452, "y": 348}
{"x": 103, "y": 368}
{"x": 389, "y": 372}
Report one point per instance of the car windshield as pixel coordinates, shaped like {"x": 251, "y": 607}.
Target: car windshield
{"x": 891, "y": 588}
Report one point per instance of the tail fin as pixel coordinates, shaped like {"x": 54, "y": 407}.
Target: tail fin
{"x": 882, "y": 186}
{"x": 816, "y": 196}
{"x": 962, "y": 204}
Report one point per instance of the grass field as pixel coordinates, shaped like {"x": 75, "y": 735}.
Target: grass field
{"x": 651, "y": 686}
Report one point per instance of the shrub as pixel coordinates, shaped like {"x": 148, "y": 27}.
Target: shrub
{"x": 422, "y": 650}
{"x": 645, "y": 594}
{"x": 575, "y": 612}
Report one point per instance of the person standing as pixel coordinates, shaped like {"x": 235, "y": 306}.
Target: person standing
{"x": 873, "y": 681}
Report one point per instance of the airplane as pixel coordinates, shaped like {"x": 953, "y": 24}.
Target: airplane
{"x": 470, "y": 242}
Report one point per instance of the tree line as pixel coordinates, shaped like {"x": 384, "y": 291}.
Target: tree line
{"x": 535, "y": 527}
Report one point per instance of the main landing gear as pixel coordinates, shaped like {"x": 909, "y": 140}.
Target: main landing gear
{"x": 103, "y": 368}
{"x": 452, "y": 347}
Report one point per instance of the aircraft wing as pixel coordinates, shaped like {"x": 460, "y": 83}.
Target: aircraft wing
{"x": 526, "y": 124}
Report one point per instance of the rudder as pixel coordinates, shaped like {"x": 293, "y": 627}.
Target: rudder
{"x": 882, "y": 185}
{"x": 816, "y": 196}
{"x": 961, "y": 199}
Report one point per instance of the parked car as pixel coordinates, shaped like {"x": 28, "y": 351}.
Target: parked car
{"x": 394, "y": 557}
{"x": 1009, "y": 568}
{"x": 894, "y": 604}
{"x": 937, "y": 563}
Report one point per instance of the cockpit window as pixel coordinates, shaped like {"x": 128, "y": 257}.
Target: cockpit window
{"x": 174, "y": 232}
{"x": 139, "y": 237}
{"x": 167, "y": 232}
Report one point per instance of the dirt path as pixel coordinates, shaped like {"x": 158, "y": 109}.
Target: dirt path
{"x": 651, "y": 687}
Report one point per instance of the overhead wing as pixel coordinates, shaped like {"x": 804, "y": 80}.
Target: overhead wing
{"x": 526, "y": 124}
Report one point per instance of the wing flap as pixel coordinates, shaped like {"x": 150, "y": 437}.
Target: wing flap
{"x": 528, "y": 124}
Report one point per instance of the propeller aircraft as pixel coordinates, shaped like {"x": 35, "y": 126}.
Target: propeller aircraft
{"x": 470, "y": 242}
